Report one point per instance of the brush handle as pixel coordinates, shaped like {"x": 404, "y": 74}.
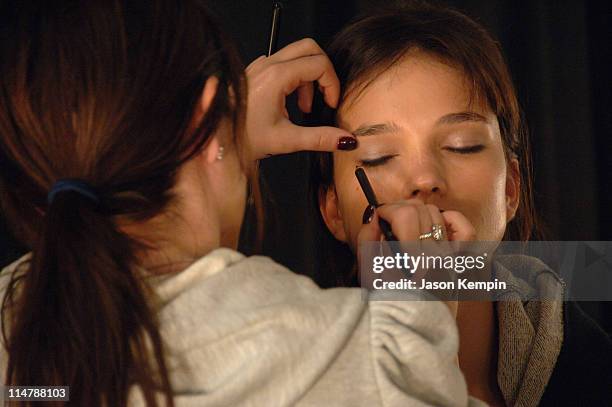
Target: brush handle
{"x": 274, "y": 28}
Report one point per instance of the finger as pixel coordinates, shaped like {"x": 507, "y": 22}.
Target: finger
{"x": 424, "y": 219}
{"x": 305, "y": 95}
{"x": 297, "y": 49}
{"x": 322, "y": 138}
{"x": 255, "y": 63}
{"x": 458, "y": 226}
{"x": 308, "y": 69}
{"x": 441, "y": 247}
{"x": 404, "y": 220}
{"x": 426, "y": 227}
{"x": 370, "y": 238}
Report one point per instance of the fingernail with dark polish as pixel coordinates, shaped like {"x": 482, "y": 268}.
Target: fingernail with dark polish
{"x": 347, "y": 143}
{"x": 368, "y": 214}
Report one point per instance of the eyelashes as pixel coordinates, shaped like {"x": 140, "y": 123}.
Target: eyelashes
{"x": 466, "y": 150}
{"x": 375, "y": 162}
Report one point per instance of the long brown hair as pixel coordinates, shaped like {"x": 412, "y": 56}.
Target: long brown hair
{"x": 104, "y": 92}
{"x": 373, "y": 43}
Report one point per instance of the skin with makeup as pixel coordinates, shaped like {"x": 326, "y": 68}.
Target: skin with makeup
{"x": 421, "y": 141}
{"x": 425, "y": 148}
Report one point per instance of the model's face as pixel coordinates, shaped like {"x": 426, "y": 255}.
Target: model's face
{"x": 420, "y": 138}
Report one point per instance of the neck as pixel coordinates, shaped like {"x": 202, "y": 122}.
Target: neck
{"x": 478, "y": 349}
{"x": 183, "y": 232}
{"x": 173, "y": 242}
{"x": 169, "y": 250}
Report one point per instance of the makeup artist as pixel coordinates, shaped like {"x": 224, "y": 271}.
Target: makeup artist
{"x": 125, "y": 150}
{"x": 427, "y": 92}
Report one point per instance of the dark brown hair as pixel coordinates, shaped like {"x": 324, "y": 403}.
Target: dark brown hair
{"x": 375, "y": 42}
{"x": 104, "y": 92}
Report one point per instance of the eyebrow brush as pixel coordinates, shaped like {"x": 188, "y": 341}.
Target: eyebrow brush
{"x": 366, "y": 187}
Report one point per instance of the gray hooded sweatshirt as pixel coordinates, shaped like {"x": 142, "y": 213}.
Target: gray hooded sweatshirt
{"x": 246, "y": 331}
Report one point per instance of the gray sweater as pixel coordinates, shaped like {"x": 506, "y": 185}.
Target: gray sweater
{"x": 246, "y": 331}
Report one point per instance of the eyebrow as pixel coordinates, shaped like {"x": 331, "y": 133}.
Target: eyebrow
{"x": 390, "y": 127}
{"x": 374, "y": 129}
{"x": 460, "y": 117}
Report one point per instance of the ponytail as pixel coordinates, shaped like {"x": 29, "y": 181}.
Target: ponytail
{"x": 86, "y": 321}
{"x": 104, "y": 91}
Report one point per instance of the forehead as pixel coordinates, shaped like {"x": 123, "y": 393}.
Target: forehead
{"x": 419, "y": 87}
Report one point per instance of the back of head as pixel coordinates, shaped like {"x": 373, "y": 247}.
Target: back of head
{"x": 103, "y": 92}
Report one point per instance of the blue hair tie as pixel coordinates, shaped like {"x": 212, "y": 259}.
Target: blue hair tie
{"x": 75, "y": 185}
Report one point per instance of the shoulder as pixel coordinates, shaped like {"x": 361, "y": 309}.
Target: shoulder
{"x": 234, "y": 291}
{"x": 525, "y": 271}
{"x": 262, "y": 279}
{"x": 17, "y": 265}
{"x": 7, "y": 275}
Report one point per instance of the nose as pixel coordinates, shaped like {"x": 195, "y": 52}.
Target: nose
{"x": 425, "y": 179}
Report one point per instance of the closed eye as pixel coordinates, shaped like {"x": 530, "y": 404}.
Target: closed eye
{"x": 466, "y": 150}
{"x": 377, "y": 161}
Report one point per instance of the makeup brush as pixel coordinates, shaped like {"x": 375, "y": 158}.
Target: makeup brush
{"x": 366, "y": 187}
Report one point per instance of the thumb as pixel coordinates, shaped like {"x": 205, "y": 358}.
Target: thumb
{"x": 458, "y": 227}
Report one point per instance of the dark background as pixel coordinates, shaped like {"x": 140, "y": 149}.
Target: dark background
{"x": 560, "y": 57}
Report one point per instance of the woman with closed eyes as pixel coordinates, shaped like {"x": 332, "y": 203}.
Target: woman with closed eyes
{"x": 426, "y": 92}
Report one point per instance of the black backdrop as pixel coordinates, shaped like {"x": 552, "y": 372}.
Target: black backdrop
{"x": 560, "y": 56}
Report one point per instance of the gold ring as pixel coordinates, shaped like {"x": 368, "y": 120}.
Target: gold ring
{"x": 437, "y": 233}
{"x": 426, "y": 236}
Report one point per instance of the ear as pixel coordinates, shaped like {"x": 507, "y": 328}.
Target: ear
{"x": 513, "y": 188}
{"x": 208, "y": 94}
{"x": 328, "y": 205}
{"x": 206, "y": 98}
{"x": 211, "y": 149}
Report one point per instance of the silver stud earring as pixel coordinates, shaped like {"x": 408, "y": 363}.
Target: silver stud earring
{"x": 220, "y": 153}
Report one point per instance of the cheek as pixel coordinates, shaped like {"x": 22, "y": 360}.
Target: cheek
{"x": 480, "y": 193}
{"x": 351, "y": 203}
{"x": 389, "y": 182}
